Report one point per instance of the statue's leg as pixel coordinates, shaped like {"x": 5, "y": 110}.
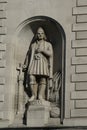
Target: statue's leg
{"x": 33, "y": 86}
{"x": 42, "y": 88}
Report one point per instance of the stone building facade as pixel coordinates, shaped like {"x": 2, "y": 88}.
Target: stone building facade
{"x": 72, "y": 16}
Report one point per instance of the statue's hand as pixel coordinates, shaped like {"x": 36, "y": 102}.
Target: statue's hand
{"x": 39, "y": 50}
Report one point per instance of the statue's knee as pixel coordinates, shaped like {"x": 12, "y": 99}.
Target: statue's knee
{"x": 43, "y": 81}
{"x": 32, "y": 79}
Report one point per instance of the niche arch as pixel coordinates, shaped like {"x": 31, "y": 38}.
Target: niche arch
{"x": 55, "y": 35}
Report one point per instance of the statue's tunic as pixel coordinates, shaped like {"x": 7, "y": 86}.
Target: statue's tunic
{"x": 40, "y": 64}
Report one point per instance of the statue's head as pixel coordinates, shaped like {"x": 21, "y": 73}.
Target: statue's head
{"x": 40, "y": 34}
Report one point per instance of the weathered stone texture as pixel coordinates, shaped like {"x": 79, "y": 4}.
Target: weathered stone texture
{"x": 81, "y": 86}
{"x": 79, "y": 95}
{"x": 81, "y": 35}
{"x": 79, "y": 43}
{"x": 81, "y": 104}
{"x": 79, "y": 60}
{"x": 79, "y": 10}
{"x": 81, "y": 18}
{"x": 79, "y": 113}
{"x": 81, "y": 2}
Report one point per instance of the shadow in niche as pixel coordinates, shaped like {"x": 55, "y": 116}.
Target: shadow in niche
{"x": 55, "y": 35}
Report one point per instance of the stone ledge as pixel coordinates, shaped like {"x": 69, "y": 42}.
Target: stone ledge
{"x": 79, "y": 43}
{"x": 77, "y": 123}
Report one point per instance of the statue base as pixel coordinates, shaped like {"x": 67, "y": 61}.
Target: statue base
{"x": 38, "y": 113}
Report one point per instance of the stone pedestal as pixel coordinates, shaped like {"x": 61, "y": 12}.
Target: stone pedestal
{"x": 38, "y": 113}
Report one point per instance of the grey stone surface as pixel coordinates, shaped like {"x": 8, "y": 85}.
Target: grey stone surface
{"x": 38, "y": 114}
{"x": 81, "y": 2}
{"x": 81, "y": 18}
{"x": 20, "y": 10}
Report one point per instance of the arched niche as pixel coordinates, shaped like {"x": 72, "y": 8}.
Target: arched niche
{"x": 55, "y": 35}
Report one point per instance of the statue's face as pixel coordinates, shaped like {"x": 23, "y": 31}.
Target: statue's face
{"x": 40, "y": 34}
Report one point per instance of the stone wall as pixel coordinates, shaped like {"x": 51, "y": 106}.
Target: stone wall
{"x": 72, "y": 15}
{"x": 3, "y": 32}
{"x": 78, "y": 114}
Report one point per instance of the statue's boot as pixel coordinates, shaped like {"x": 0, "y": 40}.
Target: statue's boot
{"x": 34, "y": 92}
{"x": 41, "y": 95}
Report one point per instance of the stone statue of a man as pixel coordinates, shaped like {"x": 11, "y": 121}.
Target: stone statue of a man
{"x": 39, "y": 65}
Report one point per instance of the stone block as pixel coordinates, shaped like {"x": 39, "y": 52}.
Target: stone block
{"x": 82, "y": 86}
{"x": 72, "y": 104}
{"x": 1, "y": 98}
{"x": 81, "y": 35}
{"x": 1, "y": 38}
{"x": 79, "y": 113}
{"x": 81, "y": 68}
{"x": 38, "y": 115}
{"x": 2, "y": 47}
{"x": 2, "y": 63}
{"x": 3, "y": 1}
{"x": 79, "y": 43}
{"x": 79, "y": 77}
{"x": 1, "y": 89}
{"x": 2, "y": 6}
{"x": 81, "y": 18}
{"x": 2, "y": 80}
{"x": 80, "y": 27}
{"x": 79, "y": 95}
{"x": 2, "y": 14}
{"x": 81, "y": 2}
{"x": 1, "y": 115}
{"x": 2, "y": 22}
{"x": 3, "y": 30}
{"x": 79, "y": 10}
{"x": 0, "y": 55}
{"x": 79, "y": 60}
{"x": 81, "y": 104}
{"x": 81, "y": 52}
